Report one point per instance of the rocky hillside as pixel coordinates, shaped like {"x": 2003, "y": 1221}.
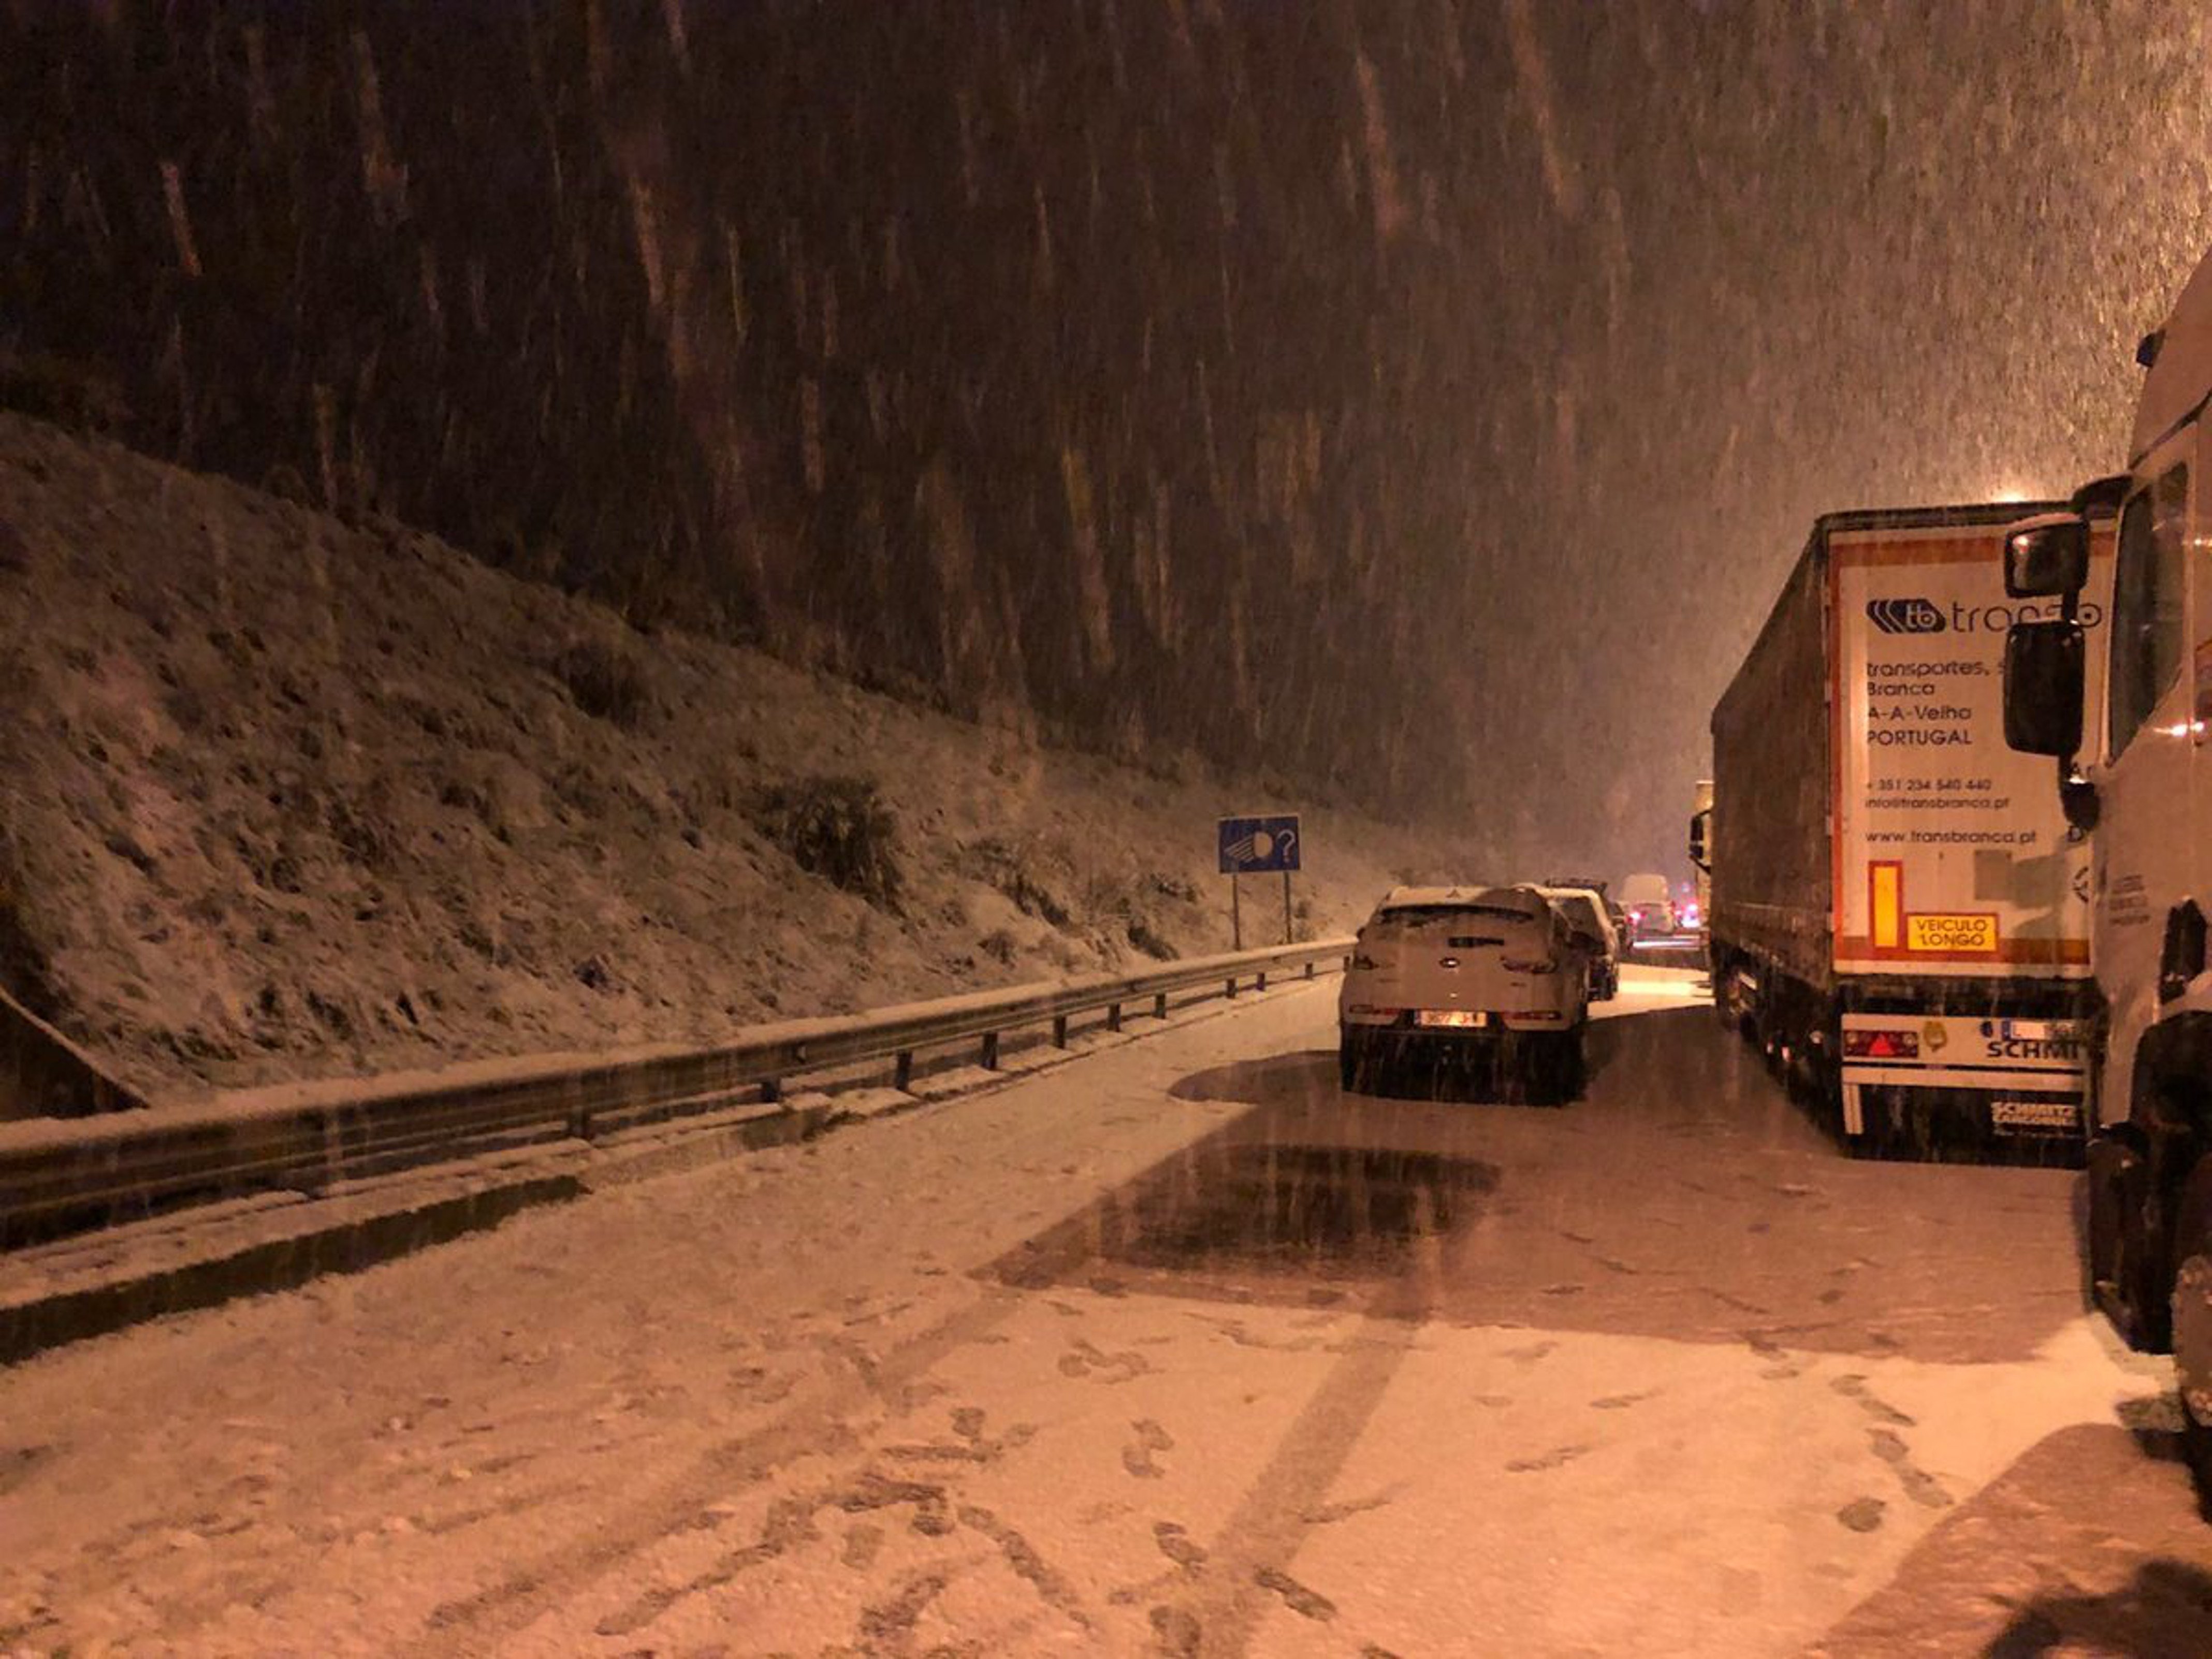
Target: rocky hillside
{"x": 280, "y": 796}
{"x": 938, "y": 348}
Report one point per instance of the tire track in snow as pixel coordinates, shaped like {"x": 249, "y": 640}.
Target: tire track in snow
{"x": 824, "y": 1423}
{"x": 1244, "y": 1575}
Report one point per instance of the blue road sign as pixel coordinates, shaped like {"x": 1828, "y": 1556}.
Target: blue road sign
{"x": 1251, "y": 845}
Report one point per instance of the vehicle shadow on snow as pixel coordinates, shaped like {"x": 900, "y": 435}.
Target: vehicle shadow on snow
{"x": 2084, "y": 1545}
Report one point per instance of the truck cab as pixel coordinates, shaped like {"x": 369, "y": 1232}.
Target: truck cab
{"x": 2138, "y": 783}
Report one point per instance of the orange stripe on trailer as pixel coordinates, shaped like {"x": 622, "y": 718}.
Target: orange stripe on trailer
{"x": 1885, "y": 902}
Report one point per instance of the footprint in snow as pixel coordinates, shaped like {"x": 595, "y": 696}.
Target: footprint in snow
{"x": 1178, "y": 1546}
{"x": 1551, "y": 1460}
{"x": 1309, "y": 1603}
{"x": 1140, "y": 1457}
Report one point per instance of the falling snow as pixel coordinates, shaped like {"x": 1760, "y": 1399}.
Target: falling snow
{"x": 1579, "y": 314}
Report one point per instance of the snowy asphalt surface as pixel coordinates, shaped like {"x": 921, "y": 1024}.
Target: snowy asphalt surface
{"x": 1174, "y": 1349}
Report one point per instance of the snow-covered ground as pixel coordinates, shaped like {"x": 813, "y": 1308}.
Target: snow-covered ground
{"x": 1175, "y": 1349}
{"x": 284, "y": 797}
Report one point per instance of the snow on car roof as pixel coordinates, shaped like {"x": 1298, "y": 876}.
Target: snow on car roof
{"x": 1589, "y": 893}
{"x": 1526, "y": 900}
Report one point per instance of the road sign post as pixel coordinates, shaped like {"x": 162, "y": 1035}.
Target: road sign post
{"x": 1252, "y": 846}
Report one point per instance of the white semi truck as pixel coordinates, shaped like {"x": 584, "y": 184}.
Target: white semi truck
{"x": 1898, "y": 913}
{"x": 2137, "y": 777}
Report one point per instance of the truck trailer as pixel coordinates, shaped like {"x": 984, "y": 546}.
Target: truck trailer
{"x": 1898, "y": 915}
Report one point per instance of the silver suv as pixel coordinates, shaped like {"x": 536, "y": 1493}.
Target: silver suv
{"x": 1454, "y": 970}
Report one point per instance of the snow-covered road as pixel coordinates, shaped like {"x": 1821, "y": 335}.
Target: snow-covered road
{"x": 1174, "y": 1349}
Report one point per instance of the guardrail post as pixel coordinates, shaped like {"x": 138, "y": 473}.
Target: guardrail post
{"x": 771, "y": 1091}
{"x": 1231, "y": 991}
{"x": 1261, "y": 983}
{"x": 1060, "y": 1030}
{"x": 990, "y": 1051}
{"x": 1309, "y": 967}
{"x": 1112, "y": 1016}
{"x": 902, "y": 1069}
{"x": 328, "y": 1166}
{"x": 1160, "y": 1005}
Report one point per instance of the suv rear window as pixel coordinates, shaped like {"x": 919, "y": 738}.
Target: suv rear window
{"x": 1473, "y": 916}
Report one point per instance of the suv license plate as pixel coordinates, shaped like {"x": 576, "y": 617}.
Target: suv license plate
{"x": 1457, "y": 1019}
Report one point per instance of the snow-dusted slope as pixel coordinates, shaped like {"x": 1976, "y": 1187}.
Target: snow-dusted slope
{"x": 283, "y": 797}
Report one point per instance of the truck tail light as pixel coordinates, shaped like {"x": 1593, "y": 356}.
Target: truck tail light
{"x": 1546, "y": 966}
{"x": 1882, "y": 1045}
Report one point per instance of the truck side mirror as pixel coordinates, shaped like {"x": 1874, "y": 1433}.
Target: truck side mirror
{"x": 2043, "y": 677}
{"x": 2046, "y": 557}
{"x": 1698, "y": 820}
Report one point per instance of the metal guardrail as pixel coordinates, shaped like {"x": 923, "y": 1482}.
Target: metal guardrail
{"x": 64, "y": 1176}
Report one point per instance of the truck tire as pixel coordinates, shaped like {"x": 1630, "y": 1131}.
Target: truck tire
{"x": 1351, "y": 1061}
{"x": 2191, "y": 1306}
{"x": 2124, "y": 1256}
{"x": 1727, "y": 1007}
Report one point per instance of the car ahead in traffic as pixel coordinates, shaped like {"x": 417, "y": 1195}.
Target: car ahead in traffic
{"x": 1584, "y": 909}
{"x": 1651, "y": 906}
{"x": 1495, "y": 972}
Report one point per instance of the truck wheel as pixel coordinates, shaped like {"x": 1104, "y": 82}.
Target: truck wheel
{"x": 1722, "y": 974}
{"x": 1350, "y": 1062}
{"x": 2121, "y": 1253}
{"x": 2193, "y": 1320}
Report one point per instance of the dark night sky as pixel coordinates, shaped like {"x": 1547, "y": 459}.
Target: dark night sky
{"x": 1422, "y": 400}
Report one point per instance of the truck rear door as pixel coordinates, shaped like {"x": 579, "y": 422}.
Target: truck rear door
{"x": 1954, "y": 861}
{"x": 1953, "y": 858}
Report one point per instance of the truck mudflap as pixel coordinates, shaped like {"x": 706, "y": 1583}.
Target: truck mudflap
{"x": 2019, "y": 1077}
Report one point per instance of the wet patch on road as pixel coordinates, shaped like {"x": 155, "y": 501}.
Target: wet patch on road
{"x": 1260, "y": 1220}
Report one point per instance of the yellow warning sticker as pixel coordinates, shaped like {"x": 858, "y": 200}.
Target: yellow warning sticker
{"x": 1951, "y": 933}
